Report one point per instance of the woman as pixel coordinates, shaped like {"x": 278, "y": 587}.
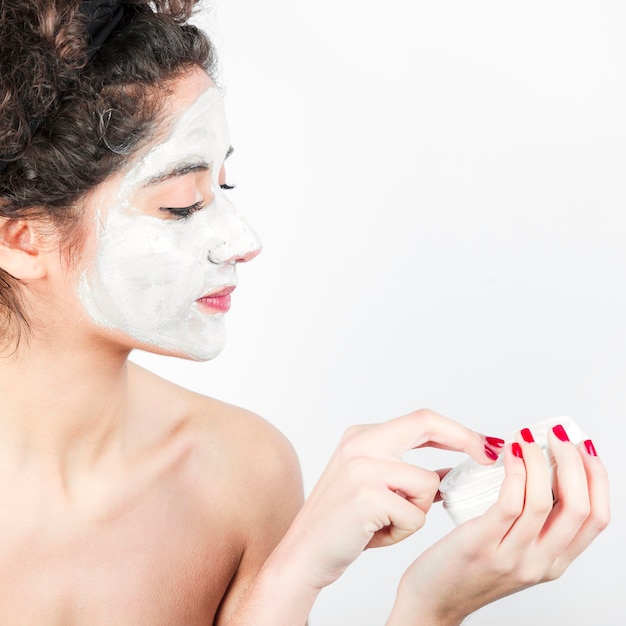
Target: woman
{"x": 127, "y": 499}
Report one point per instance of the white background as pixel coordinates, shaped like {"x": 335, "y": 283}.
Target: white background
{"x": 439, "y": 186}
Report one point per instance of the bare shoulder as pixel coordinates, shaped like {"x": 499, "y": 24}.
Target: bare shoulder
{"x": 234, "y": 478}
{"x": 264, "y": 483}
{"x": 252, "y": 445}
{"x": 236, "y": 448}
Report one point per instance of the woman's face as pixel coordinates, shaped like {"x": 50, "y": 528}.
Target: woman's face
{"x": 167, "y": 237}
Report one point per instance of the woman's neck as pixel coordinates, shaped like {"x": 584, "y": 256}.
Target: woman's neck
{"x": 62, "y": 401}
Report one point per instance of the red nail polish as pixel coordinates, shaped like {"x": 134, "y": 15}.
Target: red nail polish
{"x": 591, "y": 450}
{"x": 516, "y": 449}
{"x": 491, "y": 454}
{"x": 527, "y": 436}
{"x": 559, "y": 431}
{"x": 495, "y": 441}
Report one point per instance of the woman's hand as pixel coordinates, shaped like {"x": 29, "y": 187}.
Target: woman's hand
{"x": 523, "y": 539}
{"x": 366, "y": 497}
{"x": 369, "y": 497}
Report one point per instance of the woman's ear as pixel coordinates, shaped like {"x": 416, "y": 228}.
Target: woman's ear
{"x": 20, "y": 250}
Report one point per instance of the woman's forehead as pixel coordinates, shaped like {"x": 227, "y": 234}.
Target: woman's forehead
{"x": 176, "y": 98}
{"x": 197, "y": 137}
{"x": 193, "y": 131}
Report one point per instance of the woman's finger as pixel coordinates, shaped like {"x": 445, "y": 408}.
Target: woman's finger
{"x": 572, "y": 505}
{"x": 402, "y": 519}
{"x": 415, "y": 484}
{"x": 599, "y": 506}
{"x": 538, "y": 499}
{"x": 494, "y": 525}
{"x": 418, "y": 429}
{"x": 441, "y": 473}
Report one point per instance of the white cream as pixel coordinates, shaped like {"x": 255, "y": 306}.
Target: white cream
{"x": 149, "y": 272}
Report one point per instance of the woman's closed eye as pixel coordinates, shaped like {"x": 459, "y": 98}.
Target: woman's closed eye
{"x": 185, "y": 211}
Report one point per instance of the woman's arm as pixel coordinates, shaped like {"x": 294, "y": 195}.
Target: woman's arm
{"x": 266, "y": 488}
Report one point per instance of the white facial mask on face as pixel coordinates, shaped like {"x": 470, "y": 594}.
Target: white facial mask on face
{"x": 148, "y": 273}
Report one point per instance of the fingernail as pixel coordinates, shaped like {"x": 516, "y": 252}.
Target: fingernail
{"x": 516, "y": 449}
{"x": 559, "y": 431}
{"x": 527, "y": 436}
{"x": 591, "y": 450}
{"x": 495, "y": 441}
{"x": 491, "y": 454}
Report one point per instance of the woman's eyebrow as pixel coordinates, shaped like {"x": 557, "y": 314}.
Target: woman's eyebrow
{"x": 181, "y": 170}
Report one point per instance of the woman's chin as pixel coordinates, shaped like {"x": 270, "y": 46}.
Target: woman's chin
{"x": 201, "y": 349}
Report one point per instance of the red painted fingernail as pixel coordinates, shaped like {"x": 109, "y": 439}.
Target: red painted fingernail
{"x": 491, "y": 454}
{"x": 527, "y": 436}
{"x": 516, "y": 449}
{"x": 495, "y": 441}
{"x": 591, "y": 450}
{"x": 559, "y": 431}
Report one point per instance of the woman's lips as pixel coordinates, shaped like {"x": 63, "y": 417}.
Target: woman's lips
{"x": 218, "y": 301}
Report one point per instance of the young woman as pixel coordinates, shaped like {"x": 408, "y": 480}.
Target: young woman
{"x": 129, "y": 500}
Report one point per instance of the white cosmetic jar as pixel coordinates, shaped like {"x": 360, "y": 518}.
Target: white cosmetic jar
{"x": 469, "y": 489}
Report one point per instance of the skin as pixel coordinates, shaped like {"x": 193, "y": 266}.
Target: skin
{"x": 115, "y": 484}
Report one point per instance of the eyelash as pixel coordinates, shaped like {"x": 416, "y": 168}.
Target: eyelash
{"x": 186, "y": 212}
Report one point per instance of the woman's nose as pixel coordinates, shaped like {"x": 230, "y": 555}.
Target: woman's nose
{"x": 242, "y": 257}
{"x": 232, "y": 239}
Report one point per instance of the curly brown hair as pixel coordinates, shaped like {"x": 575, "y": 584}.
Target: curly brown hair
{"x": 68, "y": 122}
